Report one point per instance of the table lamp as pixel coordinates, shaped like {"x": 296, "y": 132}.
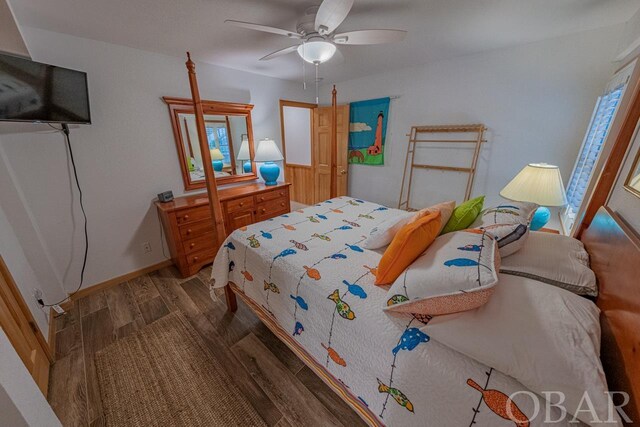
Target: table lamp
{"x": 268, "y": 152}
{"x": 244, "y": 154}
{"x": 538, "y": 183}
{"x": 216, "y": 159}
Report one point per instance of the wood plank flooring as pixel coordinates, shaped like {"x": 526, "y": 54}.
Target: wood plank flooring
{"x": 280, "y": 387}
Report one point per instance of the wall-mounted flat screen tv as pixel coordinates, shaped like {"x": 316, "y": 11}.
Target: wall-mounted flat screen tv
{"x": 34, "y": 92}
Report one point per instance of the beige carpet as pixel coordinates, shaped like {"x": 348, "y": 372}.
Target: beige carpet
{"x": 165, "y": 375}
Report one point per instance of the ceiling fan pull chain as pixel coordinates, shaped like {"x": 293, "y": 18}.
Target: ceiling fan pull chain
{"x": 304, "y": 74}
{"x": 317, "y": 91}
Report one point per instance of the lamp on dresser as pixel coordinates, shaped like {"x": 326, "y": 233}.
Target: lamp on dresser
{"x": 244, "y": 155}
{"x": 268, "y": 152}
{"x": 538, "y": 183}
{"x": 216, "y": 159}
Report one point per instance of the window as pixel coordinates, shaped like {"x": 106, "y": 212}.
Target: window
{"x": 217, "y": 138}
{"x": 592, "y": 146}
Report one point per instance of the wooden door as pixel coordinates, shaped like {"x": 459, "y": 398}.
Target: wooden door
{"x": 322, "y": 151}
{"x": 298, "y": 162}
{"x": 17, "y": 322}
{"x": 343, "y": 148}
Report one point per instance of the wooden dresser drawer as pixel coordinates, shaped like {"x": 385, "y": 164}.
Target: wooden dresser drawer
{"x": 242, "y": 203}
{"x": 271, "y": 195}
{"x": 202, "y": 257}
{"x": 272, "y": 208}
{"x": 190, "y": 231}
{"x": 187, "y": 216}
{"x": 200, "y": 243}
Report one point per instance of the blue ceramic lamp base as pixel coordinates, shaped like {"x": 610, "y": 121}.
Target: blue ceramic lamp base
{"x": 540, "y": 218}
{"x": 270, "y": 173}
{"x": 217, "y": 165}
{"x": 247, "y": 166}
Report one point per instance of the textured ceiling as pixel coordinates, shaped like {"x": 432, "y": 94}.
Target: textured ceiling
{"x": 437, "y": 28}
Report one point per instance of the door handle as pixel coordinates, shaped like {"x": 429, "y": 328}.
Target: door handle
{"x": 343, "y": 172}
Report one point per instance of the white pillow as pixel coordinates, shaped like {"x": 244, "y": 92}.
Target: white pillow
{"x": 509, "y": 223}
{"x": 457, "y": 272}
{"x": 382, "y": 234}
{"x": 543, "y": 336}
{"x": 554, "y": 259}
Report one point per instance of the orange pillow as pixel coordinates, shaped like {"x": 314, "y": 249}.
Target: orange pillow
{"x": 408, "y": 244}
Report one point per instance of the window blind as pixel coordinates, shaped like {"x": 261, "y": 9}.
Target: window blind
{"x": 592, "y": 147}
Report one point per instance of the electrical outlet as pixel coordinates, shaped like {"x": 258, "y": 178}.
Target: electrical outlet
{"x": 146, "y": 246}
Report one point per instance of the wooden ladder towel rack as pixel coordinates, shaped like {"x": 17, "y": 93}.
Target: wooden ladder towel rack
{"x": 419, "y": 135}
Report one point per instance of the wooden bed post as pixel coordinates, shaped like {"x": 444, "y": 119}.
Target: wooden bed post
{"x": 210, "y": 178}
{"x": 334, "y": 143}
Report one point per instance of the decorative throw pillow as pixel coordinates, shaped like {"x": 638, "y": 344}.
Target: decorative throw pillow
{"x": 457, "y": 273}
{"x": 406, "y": 246}
{"x": 445, "y": 208}
{"x": 557, "y": 260}
{"x": 463, "y": 215}
{"x": 382, "y": 234}
{"x": 509, "y": 223}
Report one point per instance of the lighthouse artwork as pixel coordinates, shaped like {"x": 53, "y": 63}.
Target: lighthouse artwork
{"x": 367, "y": 131}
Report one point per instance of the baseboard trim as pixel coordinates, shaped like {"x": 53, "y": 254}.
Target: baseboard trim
{"x": 114, "y": 281}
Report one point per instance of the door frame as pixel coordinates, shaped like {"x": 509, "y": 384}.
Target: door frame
{"x": 297, "y": 104}
{"x": 9, "y": 290}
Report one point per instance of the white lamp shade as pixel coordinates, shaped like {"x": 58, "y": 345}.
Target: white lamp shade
{"x": 316, "y": 51}
{"x": 216, "y": 154}
{"x": 267, "y": 151}
{"x": 243, "y": 153}
{"x": 538, "y": 183}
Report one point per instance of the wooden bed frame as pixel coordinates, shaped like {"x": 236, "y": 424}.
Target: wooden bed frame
{"x": 614, "y": 250}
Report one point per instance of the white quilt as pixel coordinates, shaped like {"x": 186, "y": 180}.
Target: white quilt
{"x": 308, "y": 270}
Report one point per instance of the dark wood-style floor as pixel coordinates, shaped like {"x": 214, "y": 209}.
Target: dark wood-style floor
{"x": 282, "y": 389}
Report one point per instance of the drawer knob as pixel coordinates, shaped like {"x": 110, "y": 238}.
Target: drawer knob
{"x": 192, "y": 245}
{"x": 281, "y": 193}
{"x": 263, "y": 210}
{"x": 262, "y": 199}
{"x": 282, "y": 204}
{"x": 189, "y": 231}
{"x": 195, "y": 258}
{"x": 186, "y": 217}
{"x": 241, "y": 204}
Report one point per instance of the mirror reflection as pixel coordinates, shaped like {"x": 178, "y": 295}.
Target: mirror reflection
{"x": 633, "y": 180}
{"x": 227, "y": 137}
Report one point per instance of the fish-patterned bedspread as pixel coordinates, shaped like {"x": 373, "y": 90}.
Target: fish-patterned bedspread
{"x": 309, "y": 272}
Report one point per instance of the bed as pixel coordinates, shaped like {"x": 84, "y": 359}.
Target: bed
{"x": 308, "y": 278}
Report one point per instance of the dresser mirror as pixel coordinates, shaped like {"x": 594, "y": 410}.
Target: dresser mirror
{"x": 633, "y": 180}
{"x": 229, "y": 136}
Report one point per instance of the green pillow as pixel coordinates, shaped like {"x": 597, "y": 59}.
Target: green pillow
{"x": 464, "y": 215}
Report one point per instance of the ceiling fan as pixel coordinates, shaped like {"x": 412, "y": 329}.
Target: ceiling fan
{"x": 317, "y": 36}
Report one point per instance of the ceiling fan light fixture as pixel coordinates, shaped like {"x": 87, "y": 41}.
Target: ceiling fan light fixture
{"x": 317, "y": 52}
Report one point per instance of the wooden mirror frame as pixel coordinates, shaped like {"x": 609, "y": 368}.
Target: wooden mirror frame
{"x": 217, "y": 108}
{"x": 634, "y": 172}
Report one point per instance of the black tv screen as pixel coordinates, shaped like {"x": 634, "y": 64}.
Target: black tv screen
{"x": 35, "y": 92}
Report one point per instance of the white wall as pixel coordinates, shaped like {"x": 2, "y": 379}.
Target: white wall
{"x": 124, "y": 158}
{"x": 21, "y": 402}
{"x": 535, "y": 99}
{"x": 297, "y": 134}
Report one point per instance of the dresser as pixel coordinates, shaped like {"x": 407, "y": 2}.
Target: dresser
{"x": 189, "y": 227}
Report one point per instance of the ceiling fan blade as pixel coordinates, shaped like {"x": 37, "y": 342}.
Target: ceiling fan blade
{"x": 369, "y": 37}
{"x": 330, "y": 14}
{"x": 280, "y": 52}
{"x": 264, "y": 28}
